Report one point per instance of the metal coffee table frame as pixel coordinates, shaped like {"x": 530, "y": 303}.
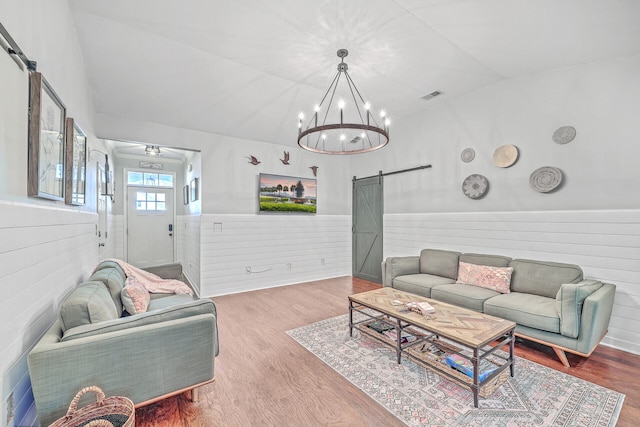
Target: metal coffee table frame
{"x": 402, "y": 322}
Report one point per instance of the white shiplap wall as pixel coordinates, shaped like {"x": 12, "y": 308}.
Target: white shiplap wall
{"x": 606, "y": 244}
{"x": 44, "y": 252}
{"x": 267, "y": 244}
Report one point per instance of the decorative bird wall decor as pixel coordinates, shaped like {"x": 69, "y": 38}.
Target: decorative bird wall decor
{"x": 253, "y": 160}
{"x": 314, "y": 169}
{"x": 285, "y": 161}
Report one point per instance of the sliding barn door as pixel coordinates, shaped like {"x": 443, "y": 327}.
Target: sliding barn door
{"x": 367, "y": 228}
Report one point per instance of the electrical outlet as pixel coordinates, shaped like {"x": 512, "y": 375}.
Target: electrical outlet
{"x": 217, "y": 227}
{"x": 9, "y": 409}
{"x": 289, "y": 266}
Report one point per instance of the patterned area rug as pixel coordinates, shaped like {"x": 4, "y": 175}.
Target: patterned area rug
{"x": 537, "y": 395}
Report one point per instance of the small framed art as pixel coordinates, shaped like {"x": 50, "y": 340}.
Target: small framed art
{"x": 194, "y": 189}
{"x": 46, "y": 171}
{"x": 75, "y": 164}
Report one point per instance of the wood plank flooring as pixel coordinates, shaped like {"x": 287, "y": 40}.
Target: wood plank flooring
{"x": 265, "y": 378}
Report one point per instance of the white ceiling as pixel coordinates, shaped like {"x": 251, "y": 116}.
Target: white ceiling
{"x": 245, "y": 68}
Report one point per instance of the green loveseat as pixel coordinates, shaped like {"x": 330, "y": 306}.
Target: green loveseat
{"x": 551, "y": 303}
{"x": 168, "y": 349}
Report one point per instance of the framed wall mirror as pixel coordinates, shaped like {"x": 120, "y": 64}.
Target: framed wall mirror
{"x": 75, "y": 164}
{"x": 45, "y": 177}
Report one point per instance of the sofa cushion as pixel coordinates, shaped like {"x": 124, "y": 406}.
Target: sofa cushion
{"x": 534, "y": 311}
{"x": 439, "y": 263}
{"x": 485, "y": 276}
{"x": 111, "y": 264}
{"x": 482, "y": 259}
{"x": 419, "y": 284}
{"x": 135, "y": 298}
{"x": 88, "y": 303}
{"x": 541, "y": 277}
{"x": 113, "y": 277}
{"x": 467, "y": 296}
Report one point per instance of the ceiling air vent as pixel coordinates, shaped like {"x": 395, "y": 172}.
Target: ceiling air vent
{"x": 432, "y": 95}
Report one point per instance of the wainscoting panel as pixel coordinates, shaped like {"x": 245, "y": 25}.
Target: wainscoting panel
{"x": 606, "y": 244}
{"x": 261, "y": 251}
{"x": 44, "y": 252}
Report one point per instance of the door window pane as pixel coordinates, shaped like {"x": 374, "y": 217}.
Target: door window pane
{"x": 151, "y": 179}
{"x": 134, "y": 178}
{"x": 165, "y": 180}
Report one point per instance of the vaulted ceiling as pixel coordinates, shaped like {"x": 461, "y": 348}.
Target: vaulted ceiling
{"x": 245, "y": 68}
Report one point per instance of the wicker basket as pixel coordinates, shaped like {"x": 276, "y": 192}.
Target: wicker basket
{"x": 115, "y": 411}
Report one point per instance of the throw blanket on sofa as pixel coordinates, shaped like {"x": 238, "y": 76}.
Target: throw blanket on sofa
{"x": 151, "y": 282}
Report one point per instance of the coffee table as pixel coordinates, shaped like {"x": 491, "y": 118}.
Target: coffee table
{"x": 451, "y": 330}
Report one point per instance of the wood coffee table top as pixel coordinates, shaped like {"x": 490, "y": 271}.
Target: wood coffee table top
{"x": 462, "y": 325}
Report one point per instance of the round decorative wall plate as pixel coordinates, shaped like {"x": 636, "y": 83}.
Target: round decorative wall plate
{"x": 475, "y": 186}
{"x": 505, "y": 156}
{"x": 564, "y": 134}
{"x": 545, "y": 179}
{"x": 467, "y": 155}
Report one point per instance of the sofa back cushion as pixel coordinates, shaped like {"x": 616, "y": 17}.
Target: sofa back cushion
{"x": 482, "y": 259}
{"x": 439, "y": 263}
{"x": 541, "y": 277}
{"x": 114, "y": 279}
{"x": 88, "y": 303}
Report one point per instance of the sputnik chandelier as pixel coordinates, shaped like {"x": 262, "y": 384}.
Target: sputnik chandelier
{"x": 345, "y": 124}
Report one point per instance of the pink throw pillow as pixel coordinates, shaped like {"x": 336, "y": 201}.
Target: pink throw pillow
{"x": 495, "y": 278}
{"x": 135, "y": 298}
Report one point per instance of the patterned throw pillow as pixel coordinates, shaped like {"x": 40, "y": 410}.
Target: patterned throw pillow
{"x": 495, "y": 278}
{"x": 135, "y": 298}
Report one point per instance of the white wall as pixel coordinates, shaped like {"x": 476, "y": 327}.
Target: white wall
{"x": 229, "y": 195}
{"x": 592, "y": 220}
{"x": 46, "y": 247}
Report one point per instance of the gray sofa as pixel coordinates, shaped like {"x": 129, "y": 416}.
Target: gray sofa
{"x": 168, "y": 349}
{"x": 551, "y": 303}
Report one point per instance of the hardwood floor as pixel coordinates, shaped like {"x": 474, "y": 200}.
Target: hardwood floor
{"x": 264, "y": 378}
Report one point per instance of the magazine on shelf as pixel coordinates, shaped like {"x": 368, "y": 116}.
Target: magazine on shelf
{"x": 464, "y": 365}
{"x": 380, "y": 326}
{"x": 406, "y": 337}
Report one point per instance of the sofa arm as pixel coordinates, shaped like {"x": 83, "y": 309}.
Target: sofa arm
{"x": 399, "y": 266}
{"x": 174, "y": 312}
{"x": 596, "y": 314}
{"x": 140, "y": 363}
{"x": 569, "y": 302}
{"x": 167, "y": 271}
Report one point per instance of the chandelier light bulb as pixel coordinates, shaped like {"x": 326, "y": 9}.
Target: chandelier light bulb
{"x": 341, "y": 104}
{"x": 363, "y": 135}
{"x": 387, "y": 122}
{"x": 343, "y": 137}
{"x": 301, "y": 115}
{"x": 324, "y": 136}
{"x": 382, "y": 113}
{"x": 367, "y": 106}
{"x": 316, "y": 108}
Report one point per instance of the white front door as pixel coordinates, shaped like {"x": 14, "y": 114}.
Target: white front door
{"x": 150, "y": 219}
